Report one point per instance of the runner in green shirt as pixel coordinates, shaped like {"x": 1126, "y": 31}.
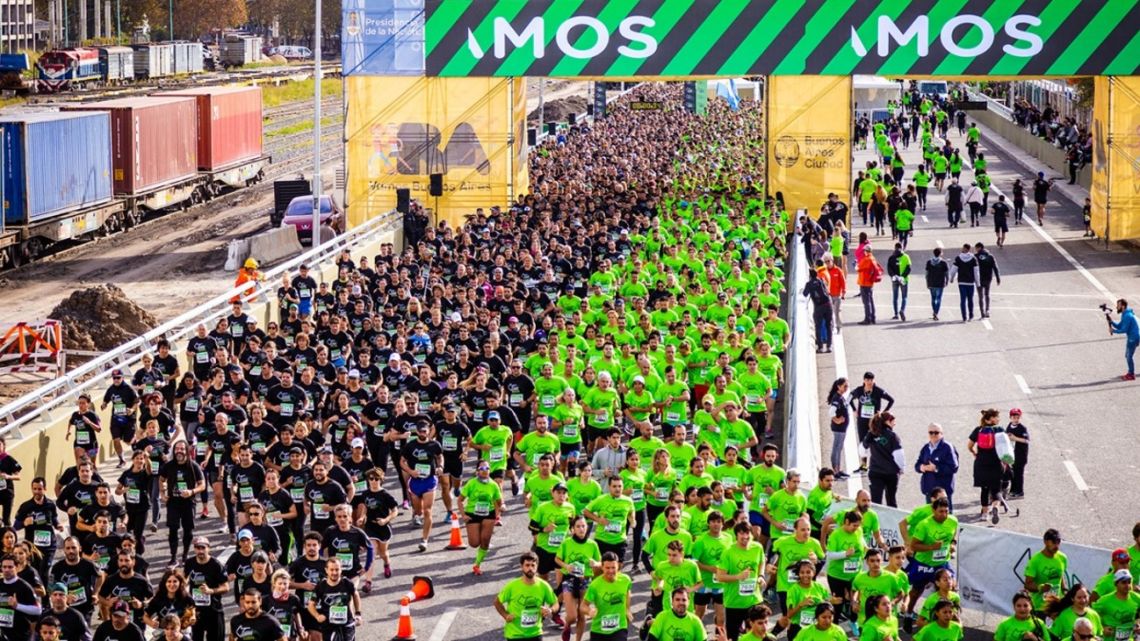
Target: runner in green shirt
{"x": 608, "y": 598}
{"x": 551, "y": 525}
{"x": 539, "y": 484}
{"x": 845, "y": 550}
{"x": 480, "y": 502}
{"x": 680, "y": 451}
{"x": 763, "y": 481}
{"x": 871, "y": 583}
{"x": 525, "y": 602}
{"x": 802, "y": 597}
{"x": 677, "y": 623}
{"x": 824, "y": 628}
{"x": 547, "y": 389}
{"x": 646, "y": 445}
{"x": 879, "y": 623}
{"x": 531, "y": 447}
{"x": 943, "y": 584}
{"x": 756, "y": 626}
{"x": 1046, "y": 570}
{"x": 932, "y": 543}
{"x": 657, "y": 545}
{"x": 943, "y": 627}
{"x": 578, "y": 560}
{"x": 1118, "y": 610}
{"x": 600, "y": 405}
{"x": 735, "y": 431}
{"x": 659, "y": 484}
{"x": 493, "y": 441}
{"x": 638, "y": 402}
{"x": 706, "y": 551}
{"x": 790, "y": 550}
{"x": 673, "y": 401}
{"x": 731, "y": 474}
{"x": 1023, "y": 622}
{"x": 675, "y": 572}
{"x": 784, "y": 506}
{"x": 613, "y": 515}
{"x": 583, "y": 488}
{"x": 741, "y": 571}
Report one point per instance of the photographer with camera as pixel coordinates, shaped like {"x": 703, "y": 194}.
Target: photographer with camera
{"x": 1128, "y": 326}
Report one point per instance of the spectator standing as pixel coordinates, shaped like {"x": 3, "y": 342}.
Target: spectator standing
{"x": 898, "y": 268}
{"x": 937, "y": 462}
{"x": 886, "y": 459}
{"x": 937, "y": 276}
{"x": 1019, "y": 434}
{"x": 839, "y": 418}
{"x": 870, "y": 272}
{"x": 988, "y": 468}
{"x": 965, "y": 269}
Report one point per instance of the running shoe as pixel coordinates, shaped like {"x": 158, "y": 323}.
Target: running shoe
{"x": 422, "y": 547}
{"x": 994, "y": 518}
{"x": 387, "y": 571}
{"x": 367, "y": 587}
{"x": 842, "y": 476}
{"x": 476, "y": 570}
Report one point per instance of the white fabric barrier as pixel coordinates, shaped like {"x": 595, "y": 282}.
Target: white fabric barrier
{"x": 990, "y": 563}
{"x": 801, "y": 436}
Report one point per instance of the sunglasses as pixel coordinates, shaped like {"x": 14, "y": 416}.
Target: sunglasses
{"x": 1084, "y": 636}
{"x": 933, "y": 433}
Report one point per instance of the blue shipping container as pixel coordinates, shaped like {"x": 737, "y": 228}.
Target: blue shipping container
{"x": 54, "y": 163}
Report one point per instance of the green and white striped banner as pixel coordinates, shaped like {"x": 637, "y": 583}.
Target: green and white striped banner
{"x": 680, "y": 38}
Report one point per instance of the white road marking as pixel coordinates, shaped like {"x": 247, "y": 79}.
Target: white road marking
{"x": 1022, "y": 384}
{"x": 939, "y": 244}
{"x": 443, "y": 625}
{"x": 986, "y": 323}
{"x": 1076, "y": 474}
{"x": 925, "y": 219}
{"x": 850, "y": 447}
{"x": 1065, "y": 254}
{"x": 1051, "y": 295}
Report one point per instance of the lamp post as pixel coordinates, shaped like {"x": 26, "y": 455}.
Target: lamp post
{"x": 317, "y": 127}
{"x": 170, "y": 19}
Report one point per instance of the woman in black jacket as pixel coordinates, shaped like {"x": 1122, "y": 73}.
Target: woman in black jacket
{"x": 840, "y": 418}
{"x": 988, "y": 468}
{"x": 887, "y": 460}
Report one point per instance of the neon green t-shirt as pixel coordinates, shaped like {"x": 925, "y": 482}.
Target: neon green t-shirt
{"x": 610, "y": 600}
{"x": 524, "y": 602}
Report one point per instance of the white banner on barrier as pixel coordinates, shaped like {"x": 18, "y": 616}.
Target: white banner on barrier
{"x": 990, "y": 563}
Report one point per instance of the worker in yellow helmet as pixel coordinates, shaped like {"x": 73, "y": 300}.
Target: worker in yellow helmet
{"x": 248, "y": 273}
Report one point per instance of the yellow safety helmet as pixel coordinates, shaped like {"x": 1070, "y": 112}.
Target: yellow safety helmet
{"x": 251, "y": 263}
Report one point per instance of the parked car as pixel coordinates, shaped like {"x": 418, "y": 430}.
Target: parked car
{"x": 291, "y": 52}
{"x": 299, "y": 214}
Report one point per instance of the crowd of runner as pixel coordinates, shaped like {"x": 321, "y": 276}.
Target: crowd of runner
{"x": 605, "y": 355}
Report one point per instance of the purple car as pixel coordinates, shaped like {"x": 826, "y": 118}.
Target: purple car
{"x": 299, "y": 214}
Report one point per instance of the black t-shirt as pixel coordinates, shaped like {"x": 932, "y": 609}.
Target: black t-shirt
{"x": 345, "y": 547}
{"x": 377, "y": 505}
{"x": 127, "y": 588}
{"x": 294, "y": 482}
{"x": 264, "y": 537}
{"x": 138, "y": 486}
{"x": 327, "y": 494}
{"x": 452, "y": 437}
{"x": 260, "y": 628}
{"x": 72, "y": 624}
{"x": 421, "y": 456}
{"x": 239, "y": 565}
{"x": 181, "y": 476}
{"x": 335, "y": 602}
{"x": 247, "y": 482}
{"x": 211, "y": 574}
{"x": 162, "y": 605}
{"x": 80, "y": 580}
{"x": 19, "y": 626}
{"x": 284, "y": 611}
{"x": 292, "y": 402}
{"x": 305, "y": 570}
{"x": 85, "y": 436}
{"x": 44, "y": 517}
{"x": 105, "y": 549}
{"x": 1040, "y": 190}
{"x": 107, "y": 632}
{"x": 276, "y": 504}
{"x": 1001, "y": 211}
{"x": 1020, "y": 450}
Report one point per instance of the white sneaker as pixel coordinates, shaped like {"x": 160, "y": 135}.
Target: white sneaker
{"x": 422, "y": 546}
{"x": 417, "y": 520}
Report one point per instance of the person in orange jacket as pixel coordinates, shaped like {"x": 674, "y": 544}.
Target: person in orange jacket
{"x": 870, "y": 272}
{"x": 248, "y": 273}
{"x": 836, "y": 288}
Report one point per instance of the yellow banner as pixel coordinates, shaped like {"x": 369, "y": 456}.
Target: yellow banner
{"x": 1124, "y": 158}
{"x": 400, "y": 130}
{"x": 1098, "y": 192}
{"x": 809, "y": 138}
{"x": 521, "y": 175}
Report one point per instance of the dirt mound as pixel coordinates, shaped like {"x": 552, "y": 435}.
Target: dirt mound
{"x": 278, "y": 59}
{"x": 559, "y": 110}
{"x": 101, "y": 318}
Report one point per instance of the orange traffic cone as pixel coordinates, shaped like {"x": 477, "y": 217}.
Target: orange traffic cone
{"x": 422, "y": 589}
{"x": 404, "y": 631}
{"x": 456, "y": 542}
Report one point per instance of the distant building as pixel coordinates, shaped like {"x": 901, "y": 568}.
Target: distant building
{"x": 17, "y": 25}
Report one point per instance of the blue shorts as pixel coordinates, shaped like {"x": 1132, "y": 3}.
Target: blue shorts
{"x": 921, "y": 574}
{"x": 757, "y": 519}
{"x": 419, "y": 487}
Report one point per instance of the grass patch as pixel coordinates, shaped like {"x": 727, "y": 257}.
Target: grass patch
{"x": 297, "y": 91}
{"x": 296, "y": 128}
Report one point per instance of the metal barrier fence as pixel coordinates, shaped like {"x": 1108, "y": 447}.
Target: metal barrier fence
{"x": 801, "y": 397}
{"x": 37, "y": 408}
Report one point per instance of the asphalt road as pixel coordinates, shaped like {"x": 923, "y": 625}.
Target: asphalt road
{"x": 1045, "y": 349}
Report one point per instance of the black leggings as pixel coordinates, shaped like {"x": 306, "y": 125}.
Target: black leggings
{"x": 136, "y": 521}
{"x": 6, "y": 497}
{"x": 180, "y": 514}
{"x": 881, "y": 484}
{"x": 210, "y": 626}
{"x": 381, "y": 458}
{"x": 990, "y": 495}
{"x": 638, "y": 528}
{"x": 734, "y": 619}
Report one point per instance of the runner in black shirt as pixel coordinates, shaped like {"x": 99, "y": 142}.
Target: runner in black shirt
{"x": 375, "y": 510}
{"x": 336, "y": 605}
{"x": 285, "y": 401}
{"x": 71, "y": 622}
{"x": 182, "y": 479}
{"x": 124, "y": 403}
{"x": 294, "y": 478}
{"x": 280, "y": 511}
{"x": 40, "y": 519}
{"x": 423, "y": 460}
{"x": 77, "y": 575}
{"x": 18, "y": 625}
{"x": 102, "y": 545}
{"x": 135, "y": 486}
{"x": 305, "y": 573}
{"x": 246, "y": 480}
{"x": 253, "y": 624}
{"x": 120, "y": 627}
{"x": 172, "y": 598}
{"x": 453, "y": 437}
{"x": 1041, "y": 189}
{"x": 265, "y": 538}
{"x": 126, "y": 586}
{"x": 344, "y": 542}
{"x": 322, "y": 495}
{"x": 85, "y": 424}
{"x": 258, "y": 579}
{"x": 284, "y": 607}
{"x": 207, "y": 580}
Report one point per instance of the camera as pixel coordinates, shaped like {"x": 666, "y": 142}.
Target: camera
{"x": 1104, "y": 308}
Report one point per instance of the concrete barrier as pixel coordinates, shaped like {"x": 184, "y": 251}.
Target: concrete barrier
{"x": 1035, "y": 146}
{"x": 273, "y": 245}
{"x": 236, "y": 254}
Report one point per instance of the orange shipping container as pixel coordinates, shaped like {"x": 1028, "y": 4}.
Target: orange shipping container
{"x": 229, "y": 124}
{"x": 154, "y": 141}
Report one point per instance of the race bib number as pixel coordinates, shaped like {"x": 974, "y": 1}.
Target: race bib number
{"x": 792, "y": 576}
{"x": 851, "y": 565}
{"x": 7, "y": 617}
{"x": 133, "y": 495}
{"x": 748, "y": 587}
{"x": 761, "y": 498}
{"x": 154, "y": 466}
{"x": 556, "y": 537}
{"x": 338, "y": 614}
{"x": 602, "y": 417}
{"x": 672, "y": 417}
{"x": 297, "y": 494}
{"x": 548, "y": 402}
{"x": 346, "y": 559}
{"x": 661, "y": 494}
{"x": 570, "y": 430}
{"x": 78, "y": 596}
{"x": 530, "y": 618}
{"x": 200, "y": 597}
{"x": 1122, "y": 634}
{"x": 609, "y": 623}
{"x": 82, "y": 438}
{"x": 450, "y": 443}
{"x": 192, "y": 404}
{"x": 483, "y": 508}
{"x": 361, "y": 485}
{"x": 729, "y": 482}
{"x": 200, "y": 449}
{"x": 423, "y": 470}
{"x": 516, "y": 400}
{"x": 637, "y": 496}
{"x": 273, "y": 518}
{"x": 941, "y": 555}
{"x": 286, "y": 409}
{"x": 245, "y": 493}
{"x": 120, "y": 409}
{"x": 496, "y": 455}
{"x": 807, "y": 616}
{"x": 201, "y": 358}
{"x": 614, "y": 527}
{"x": 866, "y": 410}
{"x": 286, "y": 630}
{"x": 319, "y": 511}
{"x": 753, "y": 399}
{"x": 43, "y": 538}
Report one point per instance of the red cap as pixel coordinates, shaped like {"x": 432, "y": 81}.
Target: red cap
{"x": 1120, "y": 555}
{"x": 1015, "y": 411}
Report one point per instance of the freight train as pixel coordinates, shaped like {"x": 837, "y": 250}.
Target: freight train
{"x": 63, "y": 70}
{"x": 96, "y": 168}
